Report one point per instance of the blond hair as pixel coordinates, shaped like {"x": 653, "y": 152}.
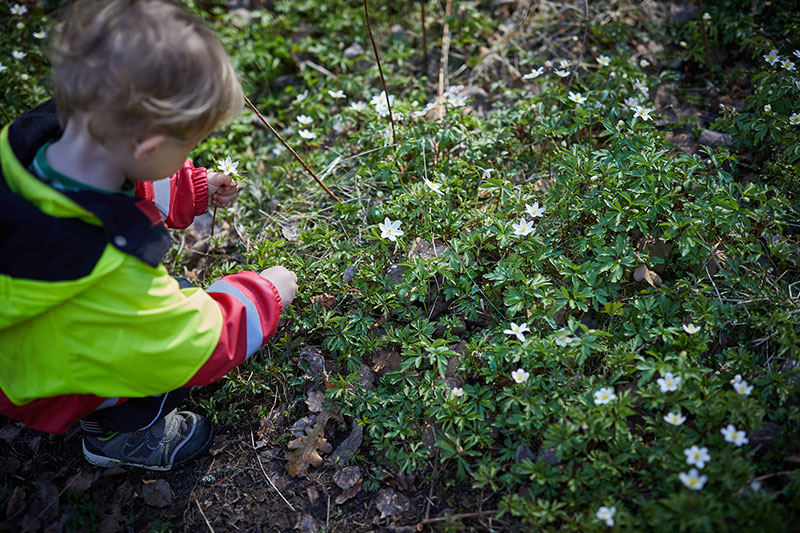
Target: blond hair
{"x": 138, "y": 66}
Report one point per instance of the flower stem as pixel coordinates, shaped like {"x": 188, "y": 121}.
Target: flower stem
{"x": 705, "y": 41}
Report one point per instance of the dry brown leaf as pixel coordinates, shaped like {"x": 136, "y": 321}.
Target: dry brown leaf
{"x": 349, "y": 493}
{"x": 391, "y": 503}
{"x": 717, "y": 261}
{"x": 305, "y": 451}
{"x": 156, "y": 492}
{"x": 541, "y": 185}
{"x": 348, "y": 447}
{"x": 643, "y": 273}
{"x": 386, "y": 360}
{"x": 314, "y": 401}
{"x": 325, "y": 300}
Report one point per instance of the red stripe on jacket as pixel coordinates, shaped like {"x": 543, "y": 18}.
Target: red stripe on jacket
{"x": 188, "y": 195}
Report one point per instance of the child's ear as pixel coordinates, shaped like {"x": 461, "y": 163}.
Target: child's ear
{"x": 146, "y": 145}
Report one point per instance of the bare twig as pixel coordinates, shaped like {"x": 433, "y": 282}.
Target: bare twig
{"x": 445, "y": 54}
{"x": 253, "y": 442}
{"x": 211, "y": 529}
{"x": 458, "y": 516}
{"x": 319, "y": 68}
{"x": 705, "y": 41}
{"x": 424, "y": 38}
{"x": 9, "y": 118}
{"x": 380, "y": 71}
{"x": 300, "y": 159}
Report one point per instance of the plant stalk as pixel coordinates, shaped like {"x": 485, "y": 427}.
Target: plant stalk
{"x": 380, "y": 70}
{"x": 296, "y": 156}
{"x": 705, "y": 40}
{"x": 4, "y": 113}
{"x": 424, "y": 38}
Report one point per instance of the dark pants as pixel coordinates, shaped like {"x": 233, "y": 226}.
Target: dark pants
{"x": 136, "y": 413}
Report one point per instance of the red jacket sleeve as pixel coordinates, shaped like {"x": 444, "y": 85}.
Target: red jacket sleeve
{"x": 179, "y": 198}
{"x": 251, "y": 307}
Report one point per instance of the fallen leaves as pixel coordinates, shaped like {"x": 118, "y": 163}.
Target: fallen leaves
{"x": 305, "y": 450}
{"x": 156, "y": 493}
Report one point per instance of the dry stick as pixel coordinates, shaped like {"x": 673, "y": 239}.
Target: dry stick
{"x": 458, "y": 516}
{"x": 253, "y": 441}
{"x": 296, "y": 156}
{"x": 424, "y": 38}
{"x": 380, "y": 70}
{"x": 211, "y": 529}
{"x": 445, "y": 54}
{"x": 705, "y": 41}
{"x": 4, "y": 113}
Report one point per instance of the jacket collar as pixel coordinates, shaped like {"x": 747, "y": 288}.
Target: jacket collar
{"x": 133, "y": 225}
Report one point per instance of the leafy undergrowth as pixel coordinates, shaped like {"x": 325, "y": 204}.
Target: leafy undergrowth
{"x": 562, "y": 294}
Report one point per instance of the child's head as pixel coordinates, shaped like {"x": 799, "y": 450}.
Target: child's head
{"x": 140, "y": 67}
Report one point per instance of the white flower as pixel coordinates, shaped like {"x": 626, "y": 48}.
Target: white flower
{"x": 458, "y": 392}
{"x": 631, "y": 101}
{"x": 561, "y": 73}
{"x": 676, "y": 419}
{"x": 604, "y": 60}
{"x": 772, "y": 57}
{"x": 692, "y": 479}
{"x": 577, "y": 98}
{"x": 358, "y": 106}
{"x": 563, "y": 340}
{"x": 278, "y": 150}
{"x": 517, "y": 330}
{"x": 706, "y": 16}
{"x": 737, "y": 437}
{"x": 644, "y": 63}
{"x": 534, "y": 210}
{"x": 381, "y": 103}
{"x": 755, "y": 485}
{"x": 794, "y": 120}
{"x": 456, "y": 100}
{"x": 669, "y": 383}
{"x": 305, "y": 134}
{"x": 604, "y": 395}
{"x": 390, "y": 230}
{"x": 300, "y": 97}
{"x": 520, "y": 376}
{"x": 435, "y": 187}
{"x": 767, "y": 108}
{"x": 40, "y": 34}
{"x": 641, "y": 87}
{"x": 18, "y": 9}
{"x": 386, "y": 135}
{"x": 3, "y": 67}
{"x": 227, "y": 166}
{"x": 788, "y": 65}
{"x": 486, "y": 174}
{"x": 535, "y": 73}
{"x": 305, "y": 120}
{"x": 523, "y": 227}
{"x": 697, "y": 456}
{"x": 796, "y": 53}
{"x": 18, "y": 54}
{"x": 642, "y": 112}
{"x": 797, "y": 84}
{"x": 606, "y": 514}
{"x": 337, "y": 94}
{"x": 690, "y": 328}
{"x": 742, "y": 387}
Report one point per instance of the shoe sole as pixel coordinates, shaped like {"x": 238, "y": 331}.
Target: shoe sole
{"x": 107, "y": 462}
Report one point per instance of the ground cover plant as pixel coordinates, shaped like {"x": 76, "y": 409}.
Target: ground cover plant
{"x": 561, "y": 290}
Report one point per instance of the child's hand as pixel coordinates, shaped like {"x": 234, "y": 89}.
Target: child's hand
{"x": 222, "y": 190}
{"x": 284, "y": 280}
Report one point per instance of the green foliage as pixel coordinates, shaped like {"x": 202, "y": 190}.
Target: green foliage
{"x": 719, "y": 228}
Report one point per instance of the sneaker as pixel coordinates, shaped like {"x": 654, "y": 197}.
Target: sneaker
{"x": 172, "y": 440}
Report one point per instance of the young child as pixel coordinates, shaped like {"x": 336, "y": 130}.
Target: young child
{"x": 92, "y": 327}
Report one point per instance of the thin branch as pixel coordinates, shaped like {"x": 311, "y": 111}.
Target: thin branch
{"x": 4, "y": 113}
{"x": 211, "y": 529}
{"x": 380, "y": 70}
{"x": 424, "y": 38}
{"x": 253, "y": 442}
{"x": 705, "y": 41}
{"x": 458, "y": 516}
{"x": 300, "y": 159}
{"x": 445, "y": 54}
